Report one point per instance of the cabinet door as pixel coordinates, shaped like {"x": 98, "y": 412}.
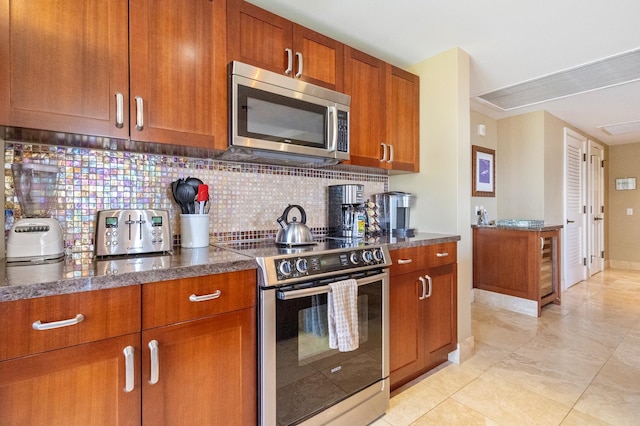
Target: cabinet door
{"x": 322, "y": 58}
{"x": 78, "y": 385}
{"x": 405, "y": 351}
{"x": 63, "y": 63}
{"x": 402, "y": 121}
{"x": 206, "y": 372}
{"x": 441, "y": 313}
{"x": 364, "y": 82}
{"x": 178, "y": 72}
{"x": 258, "y": 37}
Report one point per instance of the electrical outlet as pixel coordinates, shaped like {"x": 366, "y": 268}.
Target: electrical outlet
{"x": 629, "y": 212}
{"x": 477, "y": 210}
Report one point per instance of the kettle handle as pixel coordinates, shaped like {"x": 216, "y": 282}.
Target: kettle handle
{"x": 285, "y": 215}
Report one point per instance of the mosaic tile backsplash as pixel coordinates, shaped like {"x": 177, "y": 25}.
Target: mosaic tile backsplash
{"x": 246, "y": 199}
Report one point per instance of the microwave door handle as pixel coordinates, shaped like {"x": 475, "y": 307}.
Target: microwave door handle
{"x": 333, "y": 128}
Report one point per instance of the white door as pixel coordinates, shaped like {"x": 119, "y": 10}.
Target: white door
{"x": 574, "y": 235}
{"x": 595, "y": 209}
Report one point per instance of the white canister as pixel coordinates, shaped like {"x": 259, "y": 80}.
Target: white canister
{"x": 194, "y": 230}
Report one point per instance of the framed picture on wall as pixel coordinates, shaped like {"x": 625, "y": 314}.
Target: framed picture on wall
{"x": 483, "y": 171}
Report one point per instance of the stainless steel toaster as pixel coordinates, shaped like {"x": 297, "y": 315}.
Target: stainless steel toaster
{"x": 129, "y": 232}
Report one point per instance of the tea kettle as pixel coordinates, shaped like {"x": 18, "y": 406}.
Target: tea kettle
{"x": 293, "y": 233}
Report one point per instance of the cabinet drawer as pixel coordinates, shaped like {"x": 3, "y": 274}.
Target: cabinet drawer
{"x": 169, "y": 302}
{"x": 67, "y": 320}
{"x": 411, "y": 259}
{"x": 440, "y": 254}
{"x": 406, "y": 260}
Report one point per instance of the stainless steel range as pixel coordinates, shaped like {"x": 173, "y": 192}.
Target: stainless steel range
{"x": 301, "y": 379}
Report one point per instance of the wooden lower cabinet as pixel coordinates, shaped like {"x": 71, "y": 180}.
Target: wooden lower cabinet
{"x": 423, "y": 314}
{"x": 206, "y": 372}
{"x": 77, "y": 385}
{"x": 203, "y": 331}
{"x": 523, "y": 263}
{"x": 101, "y": 370}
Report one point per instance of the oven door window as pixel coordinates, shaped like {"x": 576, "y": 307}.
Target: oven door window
{"x": 269, "y": 116}
{"x": 310, "y": 376}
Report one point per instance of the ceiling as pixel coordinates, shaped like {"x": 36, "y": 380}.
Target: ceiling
{"x": 509, "y": 42}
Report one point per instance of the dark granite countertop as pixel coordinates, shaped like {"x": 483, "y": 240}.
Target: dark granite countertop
{"x": 83, "y": 273}
{"x": 521, "y": 228}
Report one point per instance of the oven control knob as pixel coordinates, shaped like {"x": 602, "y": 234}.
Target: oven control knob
{"x": 301, "y": 265}
{"x": 353, "y": 257}
{"x": 378, "y": 256}
{"x": 367, "y": 256}
{"x": 285, "y": 268}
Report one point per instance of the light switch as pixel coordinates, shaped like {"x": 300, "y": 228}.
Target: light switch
{"x": 629, "y": 212}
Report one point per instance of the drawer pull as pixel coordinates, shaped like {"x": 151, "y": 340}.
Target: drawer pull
{"x": 38, "y": 325}
{"x": 129, "y": 377}
{"x": 404, "y": 261}
{"x": 205, "y": 297}
{"x": 155, "y": 365}
{"x": 445, "y": 254}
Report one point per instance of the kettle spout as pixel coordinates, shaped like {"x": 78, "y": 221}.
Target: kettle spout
{"x": 280, "y": 221}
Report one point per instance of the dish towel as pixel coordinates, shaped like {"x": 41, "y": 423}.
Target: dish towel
{"x": 342, "y": 315}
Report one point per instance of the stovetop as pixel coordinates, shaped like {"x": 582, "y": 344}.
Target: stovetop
{"x": 268, "y": 247}
{"x": 327, "y": 257}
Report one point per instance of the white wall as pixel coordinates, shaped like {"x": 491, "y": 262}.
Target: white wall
{"x": 443, "y": 186}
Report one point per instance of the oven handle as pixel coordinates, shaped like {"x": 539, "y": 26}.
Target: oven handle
{"x": 306, "y": 292}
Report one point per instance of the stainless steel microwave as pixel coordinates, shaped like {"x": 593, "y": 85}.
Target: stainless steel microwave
{"x": 280, "y": 117}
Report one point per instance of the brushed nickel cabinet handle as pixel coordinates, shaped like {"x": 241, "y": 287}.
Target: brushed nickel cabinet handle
{"x": 205, "y": 297}
{"x": 443, "y": 254}
{"x": 404, "y": 261}
{"x": 384, "y": 152}
{"x": 430, "y": 286}
{"x": 38, "y": 325}
{"x": 300, "y": 64}
{"x": 155, "y": 365}
{"x": 289, "y": 61}
{"x": 139, "y": 113}
{"x": 424, "y": 288}
{"x": 129, "y": 378}
{"x": 119, "y": 110}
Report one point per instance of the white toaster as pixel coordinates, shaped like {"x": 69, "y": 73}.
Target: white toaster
{"x": 129, "y": 232}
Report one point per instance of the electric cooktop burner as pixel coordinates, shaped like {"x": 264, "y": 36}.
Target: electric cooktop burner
{"x": 269, "y": 248}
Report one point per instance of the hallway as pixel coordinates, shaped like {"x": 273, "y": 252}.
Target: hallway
{"x": 578, "y": 364}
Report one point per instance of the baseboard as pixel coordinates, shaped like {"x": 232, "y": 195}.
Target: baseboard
{"x": 504, "y": 301}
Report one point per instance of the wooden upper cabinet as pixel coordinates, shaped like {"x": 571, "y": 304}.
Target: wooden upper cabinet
{"x": 178, "y": 72}
{"x": 63, "y": 64}
{"x": 265, "y": 40}
{"x": 364, "y": 81}
{"x": 403, "y": 100}
{"x": 384, "y": 113}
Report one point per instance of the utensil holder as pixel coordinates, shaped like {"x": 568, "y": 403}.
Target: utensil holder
{"x": 194, "y": 230}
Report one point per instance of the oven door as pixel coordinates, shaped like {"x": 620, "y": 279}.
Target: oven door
{"x": 301, "y": 377}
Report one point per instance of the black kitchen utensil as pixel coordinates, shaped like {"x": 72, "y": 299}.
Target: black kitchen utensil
{"x": 185, "y": 196}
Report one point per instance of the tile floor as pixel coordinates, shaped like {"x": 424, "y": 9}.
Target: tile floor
{"x": 579, "y": 364}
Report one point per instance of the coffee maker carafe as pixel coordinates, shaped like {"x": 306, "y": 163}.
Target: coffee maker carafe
{"x": 347, "y": 213}
{"x": 394, "y": 210}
